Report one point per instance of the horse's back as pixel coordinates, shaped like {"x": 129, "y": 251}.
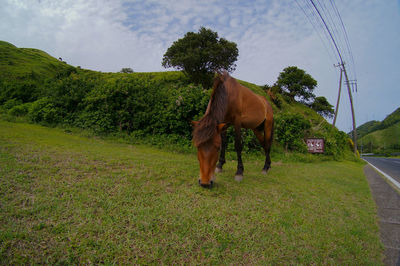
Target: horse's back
{"x": 249, "y": 108}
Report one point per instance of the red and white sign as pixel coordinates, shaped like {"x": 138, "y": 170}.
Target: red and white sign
{"x": 315, "y": 145}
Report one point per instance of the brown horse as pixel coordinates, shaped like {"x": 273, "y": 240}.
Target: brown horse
{"x": 231, "y": 104}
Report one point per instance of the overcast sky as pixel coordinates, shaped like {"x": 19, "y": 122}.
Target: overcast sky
{"x": 107, "y": 35}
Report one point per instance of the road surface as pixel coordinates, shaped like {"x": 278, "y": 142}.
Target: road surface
{"x": 389, "y": 166}
{"x": 388, "y": 202}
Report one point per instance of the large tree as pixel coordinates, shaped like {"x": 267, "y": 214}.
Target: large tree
{"x": 323, "y": 107}
{"x": 295, "y": 82}
{"x": 199, "y": 55}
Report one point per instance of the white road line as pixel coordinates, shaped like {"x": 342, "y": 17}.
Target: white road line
{"x": 394, "y": 182}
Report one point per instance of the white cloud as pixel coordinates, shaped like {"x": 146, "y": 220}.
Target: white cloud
{"x": 271, "y": 34}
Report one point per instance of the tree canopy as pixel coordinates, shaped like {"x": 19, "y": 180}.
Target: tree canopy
{"x": 295, "y": 82}
{"x": 126, "y": 70}
{"x": 322, "y": 107}
{"x": 200, "y": 55}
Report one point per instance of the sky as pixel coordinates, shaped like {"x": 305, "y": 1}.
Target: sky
{"x": 108, "y": 35}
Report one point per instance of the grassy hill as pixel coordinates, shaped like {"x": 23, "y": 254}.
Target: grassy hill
{"x": 147, "y": 106}
{"x": 381, "y": 137}
{"x": 382, "y": 141}
{"x": 17, "y": 64}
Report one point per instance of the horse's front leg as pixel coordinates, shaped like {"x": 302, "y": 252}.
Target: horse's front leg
{"x": 221, "y": 160}
{"x": 238, "y": 148}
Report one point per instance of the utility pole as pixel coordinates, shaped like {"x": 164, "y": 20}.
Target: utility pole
{"x": 352, "y": 109}
{"x": 343, "y": 70}
{"x": 338, "y": 98}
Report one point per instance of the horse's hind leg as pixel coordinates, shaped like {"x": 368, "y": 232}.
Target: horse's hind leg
{"x": 264, "y": 136}
{"x": 238, "y": 148}
{"x": 221, "y": 161}
{"x": 268, "y": 137}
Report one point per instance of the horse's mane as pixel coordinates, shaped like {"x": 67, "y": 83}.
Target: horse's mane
{"x": 215, "y": 112}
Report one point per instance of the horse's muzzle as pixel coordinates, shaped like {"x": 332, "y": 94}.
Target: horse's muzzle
{"x": 207, "y": 185}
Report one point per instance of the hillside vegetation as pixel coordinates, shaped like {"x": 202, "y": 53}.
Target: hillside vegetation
{"x": 21, "y": 64}
{"x": 381, "y": 137}
{"x": 153, "y": 107}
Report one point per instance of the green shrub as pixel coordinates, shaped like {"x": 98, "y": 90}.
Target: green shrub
{"x": 151, "y": 106}
{"x": 20, "y": 110}
{"x": 336, "y": 142}
{"x": 154, "y": 107}
{"x": 9, "y": 104}
{"x": 24, "y": 91}
{"x": 43, "y": 110}
{"x": 290, "y": 130}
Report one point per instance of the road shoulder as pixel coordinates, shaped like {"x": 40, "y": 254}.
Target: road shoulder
{"x": 387, "y": 200}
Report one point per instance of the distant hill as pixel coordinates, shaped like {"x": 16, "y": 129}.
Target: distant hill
{"x": 47, "y": 90}
{"x": 384, "y": 136}
{"x": 19, "y": 64}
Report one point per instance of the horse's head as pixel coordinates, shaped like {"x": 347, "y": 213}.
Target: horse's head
{"x": 207, "y": 154}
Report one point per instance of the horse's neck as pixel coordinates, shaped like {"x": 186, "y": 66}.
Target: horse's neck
{"x": 217, "y": 106}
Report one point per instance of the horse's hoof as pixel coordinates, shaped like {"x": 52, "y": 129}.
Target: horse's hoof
{"x": 218, "y": 170}
{"x": 238, "y": 178}
{"x": 264, "y": 172}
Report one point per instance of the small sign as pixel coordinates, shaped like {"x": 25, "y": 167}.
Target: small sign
{"x": 315, "y": 145}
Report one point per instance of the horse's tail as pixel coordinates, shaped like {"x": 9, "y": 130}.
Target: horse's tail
{"x": 272, "y": 130}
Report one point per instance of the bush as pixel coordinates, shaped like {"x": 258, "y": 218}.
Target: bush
{"x": 290, "y": 130}
{"x": 154, "y": 107}
{"x": 336, "y": 142}
{"x": 43, "y": 110}
{"x": 20, "y": 110}
{"x": 151, "y": 106}
{"x": 9, "y": 104}
{"x": 24, "y": 91}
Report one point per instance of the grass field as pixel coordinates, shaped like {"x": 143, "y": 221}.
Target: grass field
{"x": 70, "y": 199}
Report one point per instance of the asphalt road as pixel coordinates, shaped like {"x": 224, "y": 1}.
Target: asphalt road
{"x": 388, "y": 202}
{"x": 389, "y": 166}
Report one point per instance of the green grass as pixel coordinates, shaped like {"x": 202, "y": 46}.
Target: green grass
{"x": 27, "y": 63}
{"x": 69, "y": 199}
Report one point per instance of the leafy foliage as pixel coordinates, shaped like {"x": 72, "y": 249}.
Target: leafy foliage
{"x": 154, "y": 108}
{"x": 200, "y": 55}
{"x": 290, "y": 130}
{"x": 336, "y": 142}
{"x": 43, "y": 110}
{"x": 322, "y": 107}
{"x": 126, "y": 70}
{"x": 24, "y": 91}
{"x": 295, "y": 82}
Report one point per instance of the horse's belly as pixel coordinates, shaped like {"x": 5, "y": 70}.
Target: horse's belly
{"x": 251, "y": 122}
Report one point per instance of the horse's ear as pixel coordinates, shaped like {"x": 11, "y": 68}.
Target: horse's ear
{"x": 221, "y": 127}
{"x": 194, "y": 123}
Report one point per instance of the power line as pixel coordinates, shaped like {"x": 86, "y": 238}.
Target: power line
{"x": 315, "y": 24}
{"x": 329, "y": 32}
{"x": 330, "y": 27}
{"x": 345, "y": 36}
{"x": 326, "y": 17}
